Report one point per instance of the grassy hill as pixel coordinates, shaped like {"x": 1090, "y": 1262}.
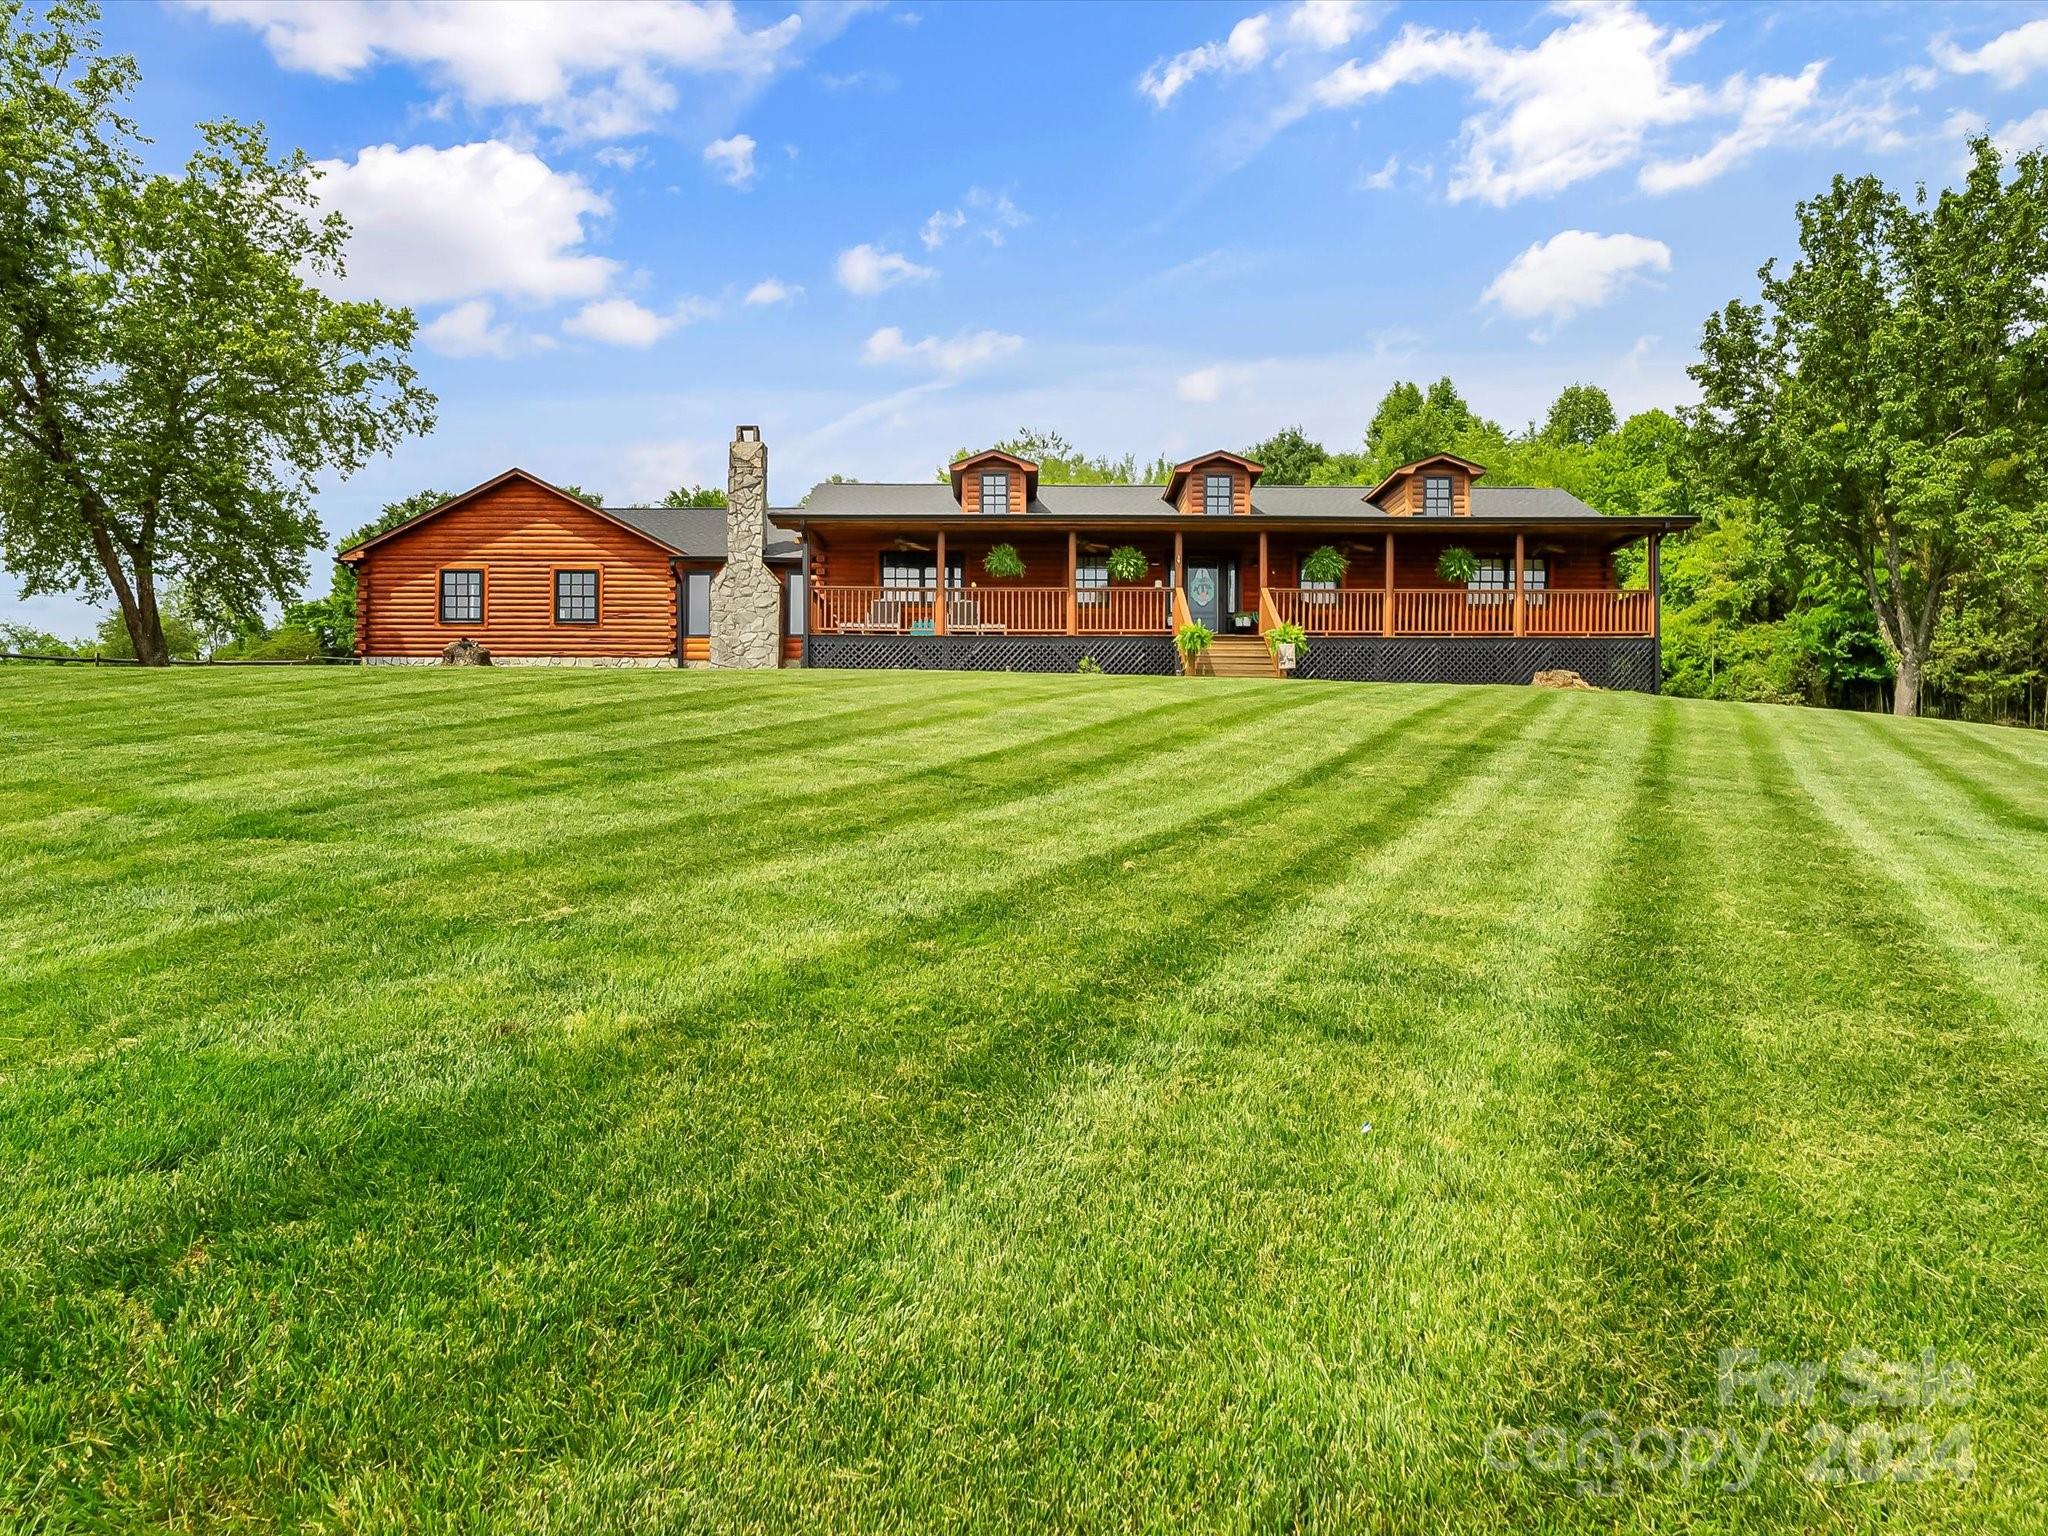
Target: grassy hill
{"x": 587, "y": 1101}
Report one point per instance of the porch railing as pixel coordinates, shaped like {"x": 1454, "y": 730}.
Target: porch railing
{"x": 984, "y": 610}
{"x": 1590, "y": 613}
{"x": 1120, "y": 610}
{"x": 1320, "y": 611}
{"x": 1417, "y": 611}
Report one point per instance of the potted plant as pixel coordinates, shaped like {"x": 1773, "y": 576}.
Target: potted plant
{"x": 1193, "y": 639}
{"x": 1326, "y": 563}
{"x": 1003, "y": 562}
{"x": 1457, "y": 565}
{"x": 1287, "y": 635}
{"x": 1126, "y": 564}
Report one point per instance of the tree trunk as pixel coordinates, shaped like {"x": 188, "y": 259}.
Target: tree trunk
{"x": 145, "y": 624}
{"x": 1906, "y": 686}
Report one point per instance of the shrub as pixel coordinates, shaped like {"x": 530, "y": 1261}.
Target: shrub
{"x": 1193, "y": 639}
{"x": 1457, "y": 565}
{"x": 1089, "y": 665}
{"x": 1127, "y": 564}
{"x": 1003, "y": 562}
{"x": 1287, "y": 634}
{"x": 1325, "y": 564}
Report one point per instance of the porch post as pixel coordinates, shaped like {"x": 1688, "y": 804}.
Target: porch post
{"x": 1073, "y": 574}
{"x": 1263, "y": 569}
{"x": 1521, "y": 611}
{"x": 1179, "y": 576}
{"x": 939, "y": 605}
{"x": 810, "y": 600}
{"x": 1387, "y": 592}
{"x": 1656, "y": 591}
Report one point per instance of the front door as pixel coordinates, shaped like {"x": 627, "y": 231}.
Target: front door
{"x": 1205, "y": 593}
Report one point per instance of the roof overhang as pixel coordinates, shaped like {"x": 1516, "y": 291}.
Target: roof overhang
{"x": 1167, "y": 521}
{"x": 1181, "y": 471}
{"x": 356, "y": 552}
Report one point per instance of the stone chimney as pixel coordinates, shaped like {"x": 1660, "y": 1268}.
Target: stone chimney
{"x": 746, "y": 599}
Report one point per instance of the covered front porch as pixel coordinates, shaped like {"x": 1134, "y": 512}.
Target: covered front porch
{"x": 1530, "y": 580}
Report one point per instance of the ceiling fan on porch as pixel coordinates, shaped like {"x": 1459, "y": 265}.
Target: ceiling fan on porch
{"x": 909, "y": 545}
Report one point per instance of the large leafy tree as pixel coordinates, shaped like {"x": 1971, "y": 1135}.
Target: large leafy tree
{"x": 1288, "y": 457}
{"x": 1580, "y": 414}
{"x": 171, "y": 379}
{"x": 695, "y": 496}
{"x": 1885, "y": 400}
{"x": 1060, "y": 462}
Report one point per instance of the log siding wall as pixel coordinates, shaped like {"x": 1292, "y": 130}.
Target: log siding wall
{"x": 518, "y": 535}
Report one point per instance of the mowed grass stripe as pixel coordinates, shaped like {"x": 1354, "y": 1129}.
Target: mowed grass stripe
{"x": 1290, "y": 1266}
{"x": 415, "y": 846}
{"x": 988, "y": 1154}
{"x": 1971, "y": 872}
{"x": 223, "y": 926}
{"x": 1789, "y": 1190}
{"x": 863, "y": 1049}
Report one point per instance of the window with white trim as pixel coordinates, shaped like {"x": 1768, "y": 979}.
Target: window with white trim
{"x": 462, "y": 597}
{"x": 1091, "y": 582}
{"x": 910, "y": 570}
{"x": 1217, "y": 500}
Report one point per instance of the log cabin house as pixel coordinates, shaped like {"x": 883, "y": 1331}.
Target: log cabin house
{"x": 898, "y": 575}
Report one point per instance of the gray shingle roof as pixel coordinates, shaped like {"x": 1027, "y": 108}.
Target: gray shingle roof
{"x": 934, "y": 499}
{"x": 699, "y": 532}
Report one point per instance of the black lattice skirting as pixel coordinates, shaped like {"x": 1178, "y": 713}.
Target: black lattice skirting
{"x": 1629, "y": 664}
{"x": 1148, "y": 654}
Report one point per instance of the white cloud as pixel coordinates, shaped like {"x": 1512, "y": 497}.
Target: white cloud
{"x": 1579, "y": 102}
{"x": 436, "y": 225}
{"x": 946, "y": 354}
{"x": 1327, "y": 24}
{"x": 732, "y": 158}
{"x": 595, "y": 69}
{"x": 1769, "y": 107}
{"x": 991, "y": 214}
{"x": 1202, "y": 387}
{"x": 623, "y": 323}
{"x": 1556, "y": 278}
{"x": 1246, "y": 45}
{"x": 773, "y": 290}
{"x": 865, "y": 270}
{"x": 467, "y": 331}
{"x": 939, "y": 225}
{"x": 617, "y": 157}
{"x": 2023, "y": 134}
{"x": 1383, "y": 178}
{"x": 2008, "y": 58}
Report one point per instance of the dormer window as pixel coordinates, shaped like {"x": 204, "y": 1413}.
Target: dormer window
{"x": 1216, "y": 495}
{"x": 1436, "y": 495}
{"x": 995, "y": 491}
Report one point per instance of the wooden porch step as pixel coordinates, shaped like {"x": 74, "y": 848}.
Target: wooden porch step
{"x": 1236, "y": 656}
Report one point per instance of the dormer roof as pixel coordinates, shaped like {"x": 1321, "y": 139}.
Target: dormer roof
{"x": 959, "y": 470}
{"x": 1401, "y": 474}
{"x": 1182, "y": 470}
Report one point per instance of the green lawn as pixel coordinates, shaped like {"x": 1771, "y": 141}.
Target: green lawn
{"x": 581, "y": 1101}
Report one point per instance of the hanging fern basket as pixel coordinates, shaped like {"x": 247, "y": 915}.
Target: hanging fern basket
{"x": 1126, "y": 564}
{"x": 1325, "y": 564}
{"x": 1457, "y": 566}
{"x": 1003, "y": 562}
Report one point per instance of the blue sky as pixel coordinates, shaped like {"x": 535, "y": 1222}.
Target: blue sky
{"x": 886, "y": 231}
